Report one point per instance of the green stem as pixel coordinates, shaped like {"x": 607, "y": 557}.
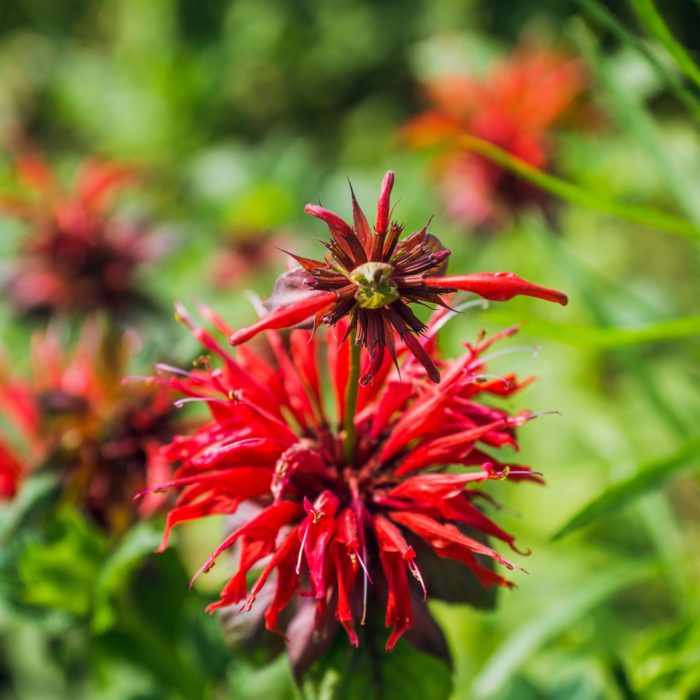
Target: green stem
{"x": 351, "y": 400}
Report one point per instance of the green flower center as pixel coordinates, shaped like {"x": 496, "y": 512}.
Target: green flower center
{"x": 375, "y": 289}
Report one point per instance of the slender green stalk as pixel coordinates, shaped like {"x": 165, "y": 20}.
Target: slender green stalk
{"x": 671, "y": 79}
{"x": 569, "y": 192}
{"x": 649, "y": 15}
{"x": 351, "y": 400}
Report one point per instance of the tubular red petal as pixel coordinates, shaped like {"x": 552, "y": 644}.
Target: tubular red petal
{"x": 333, "y": 221}
{"x": 436, "y": 486}
{"x": 497, "y": 286}
{"x": 285, "y": 316}
{"x": 384, "y": 204}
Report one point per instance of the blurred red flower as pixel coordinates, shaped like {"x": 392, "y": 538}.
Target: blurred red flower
{"x": 343, "y": 534}
{"x": 515, "y": 106}
{"x": 244, "y": 254}
{"x": 372, "y": 277}
{"x": 77, "y": 256}
{"x": 76, "y": 416}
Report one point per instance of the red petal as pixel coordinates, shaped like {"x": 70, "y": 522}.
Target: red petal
{"x": 497, "y": 286}
{"x": 335, "y": 222}
{"x": 436, "y": 486}
{"x": 384, "y": 204}
{"x": 285, "y": 316}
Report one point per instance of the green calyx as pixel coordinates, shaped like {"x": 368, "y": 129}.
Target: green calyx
{"x": 374, "y": 285}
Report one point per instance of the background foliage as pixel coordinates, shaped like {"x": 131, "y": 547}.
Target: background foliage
{"x": 240, "y": 111}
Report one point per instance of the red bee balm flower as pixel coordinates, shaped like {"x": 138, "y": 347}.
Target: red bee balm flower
{"x": 74, "y": 415}
{"x": 516, "y": 106}
{"x": 77, "y": 256}
{"x": 372, "y": 276}
{"x": 345, "y": 532}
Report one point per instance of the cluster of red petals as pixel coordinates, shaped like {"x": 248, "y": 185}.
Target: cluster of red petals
{"x": 77, "y": 255}
{"x": 515, "y": 106}
{"x": 372, "y": 276}
{"x": 75, "y": 415}
{"x": 336, "y": 532}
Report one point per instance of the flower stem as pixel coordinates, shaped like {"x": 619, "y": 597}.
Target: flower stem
{"x": 351, "y": 401}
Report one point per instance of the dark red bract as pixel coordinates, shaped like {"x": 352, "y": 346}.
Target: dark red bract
{"x": 340, "y": 532}
{"x": 372, "y": 276}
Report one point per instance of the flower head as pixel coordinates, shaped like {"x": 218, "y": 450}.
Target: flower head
{"x": 77, "y": 256}
{"x": 345, "y": 534}
{"x": 372, "y": 276}
{"x": 515, "y": 106}
{"x": 74, "y": 415}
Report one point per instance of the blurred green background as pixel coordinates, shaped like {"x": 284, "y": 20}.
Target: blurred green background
{"x": 241, "y": 111}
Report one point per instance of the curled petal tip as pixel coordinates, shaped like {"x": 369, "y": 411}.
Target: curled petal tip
{"x": 333, "y": 221}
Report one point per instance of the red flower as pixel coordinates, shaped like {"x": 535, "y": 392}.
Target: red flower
{"x": 76, "y": 256}
{"x": 515, "y": 106}
{"x": 343, "y": 533}
{"x": 75, "y": 415}
{"x": 372, "y": 277}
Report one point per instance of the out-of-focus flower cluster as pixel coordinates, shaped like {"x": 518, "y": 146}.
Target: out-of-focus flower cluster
{"x": 74, "y": 415}
{"x": 516, "y": 106}
{"x": 76, "y": 255}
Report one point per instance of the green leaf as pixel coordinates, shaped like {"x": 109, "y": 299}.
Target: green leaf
{"x": 602, "y": 337}
{"x": 646, "y": 216}
{"x": 578, "y": 599}
{"x": 371, "y": 673}
{"x": 650, "y": 477}
{"x": 37, "y": 497}
{"x": 142, "y": 540}
{"x": 58, "y": 569}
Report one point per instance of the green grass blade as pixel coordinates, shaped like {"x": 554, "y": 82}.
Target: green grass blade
{"x": 633, "y": 117}
{"x": 578, "y": 599}
{"x": 671, "y": 79}
{"x": 601, "y": 337}
{"x": 650, "y": 17}
{"x": 645, "y": 216}
{"x": 650, "y": 477}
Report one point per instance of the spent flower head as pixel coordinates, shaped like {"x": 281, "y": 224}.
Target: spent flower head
{"x": 372, "y": 276}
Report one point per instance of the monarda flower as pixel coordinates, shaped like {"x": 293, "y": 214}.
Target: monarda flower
{"x": 75, "y": 416}
{"x": 516, "y": 107}
{"x": 372, "y": 276}
{"x": 347, "y": 536}
{"x": 77, "y": 256}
